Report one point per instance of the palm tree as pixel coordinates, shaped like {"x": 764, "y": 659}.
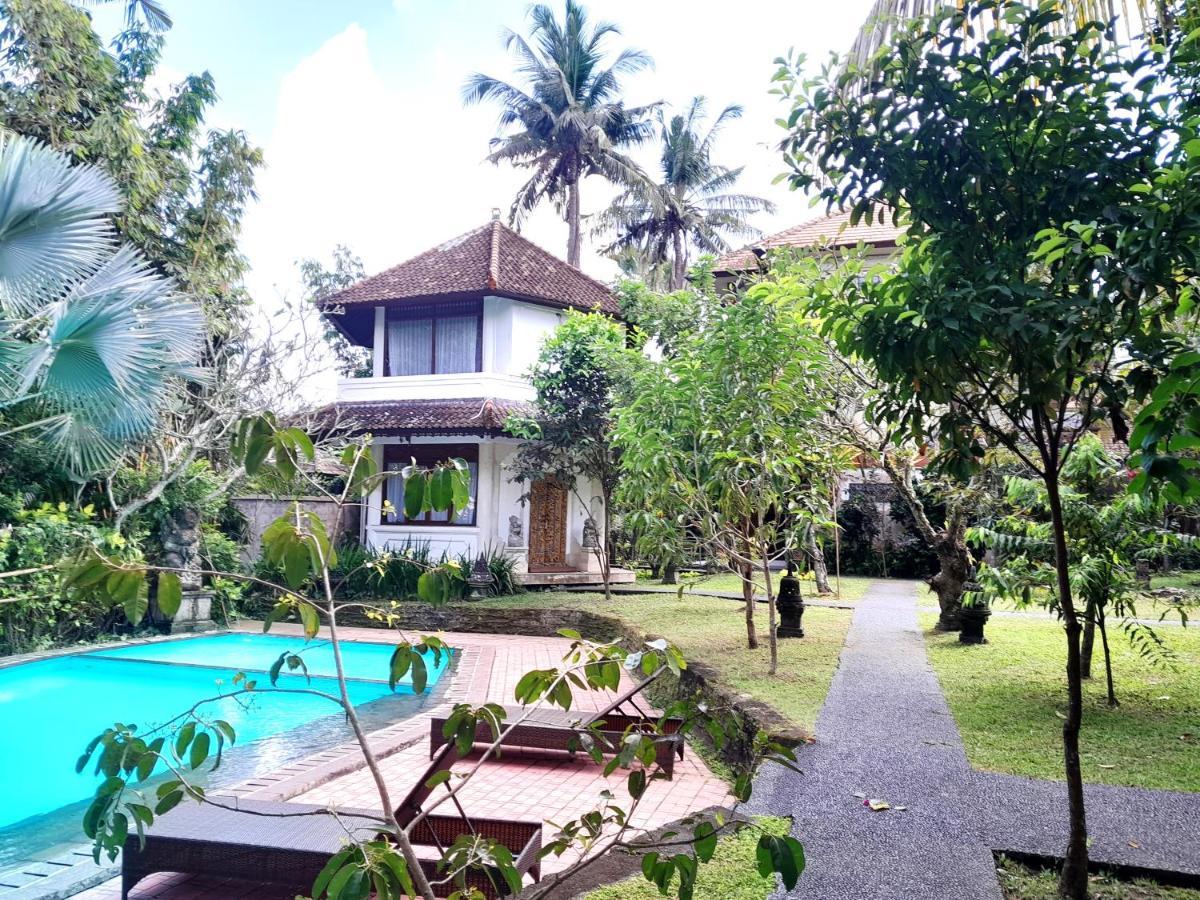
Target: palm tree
{"x": 568, "y": 122}
{"x": 690, "y": 206}
{"x": 91, "y": 338}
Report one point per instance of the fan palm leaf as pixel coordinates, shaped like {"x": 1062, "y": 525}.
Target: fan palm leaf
{"x": 92, "y": 339}
{"x": 53, "y": 221}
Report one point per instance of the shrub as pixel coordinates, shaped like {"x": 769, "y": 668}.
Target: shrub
{"x": 362, "y": 574}
{"x": 36, "y": 613}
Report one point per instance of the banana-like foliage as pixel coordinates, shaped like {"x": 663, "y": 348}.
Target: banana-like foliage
{"x": 92, "y": 339}
{"x": 1109, "y": 531}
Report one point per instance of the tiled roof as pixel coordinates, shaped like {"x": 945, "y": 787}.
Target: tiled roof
{"x": 833, "y": 230}
{"x": 492, "y": 259}
{"x": 482, "y": 415}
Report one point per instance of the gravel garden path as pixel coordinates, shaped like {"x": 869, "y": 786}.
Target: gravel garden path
{"x": 888, "y": 806}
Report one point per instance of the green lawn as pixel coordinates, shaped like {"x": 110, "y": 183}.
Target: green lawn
{"x": 1022, "y": 883}
{"x": 732, "y": 873}
{"x": 853, "y": 587}
{"x": 714, "y": 631}
{"x": 1008, "y": 697}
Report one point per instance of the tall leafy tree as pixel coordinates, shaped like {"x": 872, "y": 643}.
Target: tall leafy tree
{"x": 319, "y": 282}
{"x": 725, "y": 436}
{"x": 1024, "y": 157}
{"x": 584, "y": 369}
{"x": 690, "y": 206}
{"x": 888, "y": 19}
{"x": 567, "y": 121}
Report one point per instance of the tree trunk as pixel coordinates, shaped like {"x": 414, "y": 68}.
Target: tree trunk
{"x": 1108, "y": 676}
{"x": 1073, "y": 881}
{"x": 747, "y": 572}
{"x": 604, "y": 547}
{"x": 1089, "y": 640}
{"x": 949, "y": 543}
{"x": 679, "y": 266}
{"x": 574, "y": 232}
{"x": 816, "y": 559}
{"x": 954, "y": 568}
{"x": 668, "y": 572}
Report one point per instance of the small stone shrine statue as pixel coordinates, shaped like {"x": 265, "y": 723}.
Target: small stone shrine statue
{"x": 516, "y": 533}
{"x": 790, "y": 605}
{"x": 591, "y": 534}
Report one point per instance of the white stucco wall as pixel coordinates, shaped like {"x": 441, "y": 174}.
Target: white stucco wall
{"x": 497, "y": 499}
{"x": 512, "y": 337}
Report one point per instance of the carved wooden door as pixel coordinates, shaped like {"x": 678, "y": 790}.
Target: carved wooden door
{"x": 547, "y": 527}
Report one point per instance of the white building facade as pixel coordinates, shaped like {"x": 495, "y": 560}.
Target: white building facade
{"x": 452, "y": 334}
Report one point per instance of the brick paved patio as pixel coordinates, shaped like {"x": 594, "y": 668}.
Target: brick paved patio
{"x": 520, "y": 785}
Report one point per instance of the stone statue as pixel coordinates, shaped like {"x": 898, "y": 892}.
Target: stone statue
{"x": 591, "y": 535}
{"x": 180, "y": 539}
{"x": 516, "y": 532}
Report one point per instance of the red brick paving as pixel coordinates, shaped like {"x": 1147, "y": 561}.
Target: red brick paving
{"x": 520, "y": 784}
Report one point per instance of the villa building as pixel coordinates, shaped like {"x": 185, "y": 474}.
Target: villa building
{"x": 829, "y": 232}
{"x": 453, "y": 332}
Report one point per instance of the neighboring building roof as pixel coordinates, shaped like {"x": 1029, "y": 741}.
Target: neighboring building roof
{"x": 492, "y": 259}
{"x": 832, "y": 230}
{"x": 482, "y": 415}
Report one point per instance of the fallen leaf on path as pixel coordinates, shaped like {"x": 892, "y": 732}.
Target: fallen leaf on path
{"x": 860, "y": 795}
{"x": 1135, "y": 845}
{"x": 877, "y": 805}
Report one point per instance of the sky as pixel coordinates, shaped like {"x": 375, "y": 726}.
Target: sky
{"x": 356, "y": 105}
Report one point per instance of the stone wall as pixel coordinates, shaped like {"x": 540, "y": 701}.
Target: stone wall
{"x": 260, "y": 512}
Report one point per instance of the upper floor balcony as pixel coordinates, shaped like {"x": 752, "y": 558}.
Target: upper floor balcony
{"x": 455, "y": 386}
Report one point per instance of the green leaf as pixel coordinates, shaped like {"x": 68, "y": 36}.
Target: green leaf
{"x": 296, "y": 564}
{"x": 441, "y": 491}
{"x": 170, "y": 593}
{"x": 433, "y": 587}
{"x": 415, "y": 494}
{"x": 460, "y": 486}
{"x": 420, "y": 674}
{"x": 277, "y": 613}
{"x": 310, "y": 620}
{"x": 400, "y": 663}
{"x": 782, "y": 855}
{"x": 705, "y": 841}
{"x": 199, "y": 751}
{"x": 184, "y": 738}
{"x": 168, "y": 803}
{"x": 331, "y": 868}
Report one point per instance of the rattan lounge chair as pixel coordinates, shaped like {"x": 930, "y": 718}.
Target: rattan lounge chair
{"x": 203, "y": 839}
{"x": 555, "y": 729}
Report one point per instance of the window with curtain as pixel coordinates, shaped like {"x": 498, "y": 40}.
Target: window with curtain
{"x": 397, "y": 457}
{"x": 439, "y": 340}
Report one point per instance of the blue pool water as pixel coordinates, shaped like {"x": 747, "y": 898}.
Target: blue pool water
{"x": 50, "y": 709}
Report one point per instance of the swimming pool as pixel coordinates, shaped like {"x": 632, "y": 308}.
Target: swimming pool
{"x": 59, "y": 704}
